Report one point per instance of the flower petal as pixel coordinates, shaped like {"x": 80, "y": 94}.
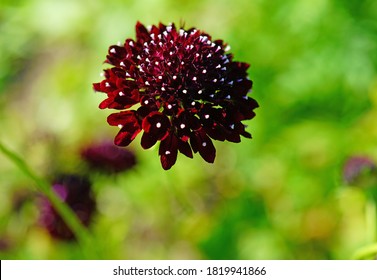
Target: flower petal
{"x": 184, "y": 148}
{"x": 148, "y": 140}
{"x": 122, "y": 118}
{"x": 168, "y": 151}
{"x": 126, "y": 135}
{"x": 142, "y": 33}
{"x": 156, "y": 124}
{"x": 202, "y": 143}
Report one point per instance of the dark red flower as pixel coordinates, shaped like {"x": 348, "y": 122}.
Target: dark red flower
{"x": 75, "y": 191}
{"x": 179, "y": 87}
{"x": 108, "y": 158}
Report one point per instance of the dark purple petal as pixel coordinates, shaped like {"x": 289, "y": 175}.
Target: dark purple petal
{"x": 184, "y": 148}
{"x": 129, "y": 125}
{"x": 116, "y": 55}
{"x": 201, "y": 143}
{"x": 127, "y": 134}
{"x": 142, "y": 33}
{"x": 168, "y": 151}
{"x": 148, "y": 140}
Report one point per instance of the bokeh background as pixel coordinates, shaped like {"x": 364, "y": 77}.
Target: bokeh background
{"x": 278, "y": 196}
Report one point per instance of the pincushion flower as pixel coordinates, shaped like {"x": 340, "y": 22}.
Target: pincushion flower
{"x": 108, "y": 158}
{"x": 178, "y": 87}
{"x": 76, "y": 192}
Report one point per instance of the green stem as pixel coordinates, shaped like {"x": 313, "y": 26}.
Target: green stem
{"x": 371, "y": 220}
{"x": 64, "y": 211}
{"x": 369, "y": 251}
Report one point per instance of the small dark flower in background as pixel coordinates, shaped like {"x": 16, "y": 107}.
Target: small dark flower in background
{"x": 360, "y": 171}
{"x": 107, "y": 157}
{"x": 179, "y": 87}
{"x": 5, "y": 244}
{"x": 75, "y": 191}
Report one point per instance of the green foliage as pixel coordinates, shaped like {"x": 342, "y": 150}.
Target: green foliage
{"x": 277, "y": 196}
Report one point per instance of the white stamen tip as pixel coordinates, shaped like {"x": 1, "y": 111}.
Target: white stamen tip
{"x": 158, "y": 125}
{"x": 162, "y": 88}
{"x": 204, "y": 71}
{"x": 146, "y": 102}
{"x": 174, "y": 77}
{"x": 120, "y": 126}
{"x": 200, "y": 91}
{"x": 121, "y": 93}
{"x": 170, "y": 106}
{"x": 184, "y": 91}
{"x": 227, "y": 48}
{"x": 107, "y": 84}
{"x": 194, "y": 79}
{"x": 167, "y": 153}
{"x": 193, "y": 103}
{"x": 156, "y": 63}
{"x": 122, "y": 64}
{"x": 131, "y": 43}
{"x": 147, "y": 83}
{"x": 204, "y": 144}
{"x": 182, "y": 125}
{"x": 112, "y": 50}
{"x": 160, "y": 77}
{"x": 206, "y": 116}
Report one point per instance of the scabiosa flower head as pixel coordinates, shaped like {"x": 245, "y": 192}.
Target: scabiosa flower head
{"x": 75, "y": 191}
{"x": 179, "y": 87}
{"x": 107, "y": 157}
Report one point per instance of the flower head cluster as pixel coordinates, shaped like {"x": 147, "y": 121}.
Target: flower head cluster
{"x": 179, "y": 87}
{"x": 75, "y": 191}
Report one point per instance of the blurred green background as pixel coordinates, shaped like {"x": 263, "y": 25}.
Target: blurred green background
{"x": 277, "y": 196}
